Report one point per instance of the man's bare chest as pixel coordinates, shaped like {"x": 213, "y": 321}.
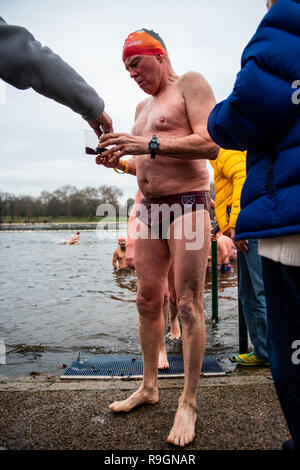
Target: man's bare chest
{"x": 162, "y": 115}
{"x": 121, "y": 254}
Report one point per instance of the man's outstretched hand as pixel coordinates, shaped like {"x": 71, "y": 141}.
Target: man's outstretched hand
{"x": 102, "y": 125}
{"x": 124, "y": 144}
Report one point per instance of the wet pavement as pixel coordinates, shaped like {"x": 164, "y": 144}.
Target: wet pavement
{"x": 239, "y": 411}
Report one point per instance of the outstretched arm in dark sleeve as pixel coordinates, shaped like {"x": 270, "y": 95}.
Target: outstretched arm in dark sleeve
{"x": 25, "y": 63}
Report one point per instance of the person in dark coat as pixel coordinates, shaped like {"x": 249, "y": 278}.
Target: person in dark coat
{"x": 262, "y": 116}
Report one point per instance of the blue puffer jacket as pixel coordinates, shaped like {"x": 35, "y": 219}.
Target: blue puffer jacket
{"x": 262, "y": 116}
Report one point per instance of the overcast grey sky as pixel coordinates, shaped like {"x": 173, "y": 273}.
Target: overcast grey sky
{"x": 42, "y": 142}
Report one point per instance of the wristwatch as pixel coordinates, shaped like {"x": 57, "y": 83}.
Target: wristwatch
{"x": 153, "y": 145}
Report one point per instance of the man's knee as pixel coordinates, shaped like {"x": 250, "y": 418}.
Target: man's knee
{"x": 150, "y": 306}
{"x": 188, "y": 309}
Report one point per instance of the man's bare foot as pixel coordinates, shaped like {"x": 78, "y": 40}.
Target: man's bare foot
{"x": 140, "y": 397}
{"x": 163, "y": 362}
{"x": 175, "y": 328}
{"x": 183, "y": 430}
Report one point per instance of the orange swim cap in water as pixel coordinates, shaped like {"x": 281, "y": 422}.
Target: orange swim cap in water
{"x": 143, "y": 42}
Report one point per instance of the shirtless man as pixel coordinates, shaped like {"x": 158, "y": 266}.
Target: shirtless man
{"x": 176, "y": 112}
{"x": 224, "y": 251}
{"x": 119, "y": 257}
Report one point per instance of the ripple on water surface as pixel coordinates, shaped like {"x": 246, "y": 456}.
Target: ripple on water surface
{"x": 69, "y": 299}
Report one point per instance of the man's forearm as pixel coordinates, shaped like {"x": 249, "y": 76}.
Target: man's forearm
{"x": 191, "y": 147}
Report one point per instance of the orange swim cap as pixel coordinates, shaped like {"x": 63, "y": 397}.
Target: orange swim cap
{"x": 143, "y": 42}
{"x": 122, "y": 239}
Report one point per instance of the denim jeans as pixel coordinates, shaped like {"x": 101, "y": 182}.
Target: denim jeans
{"x": 252, "y": 297}
{"x": 282, "y": 288}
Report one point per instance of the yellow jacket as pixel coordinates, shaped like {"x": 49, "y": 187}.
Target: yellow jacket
{"x": 229, "y": 176}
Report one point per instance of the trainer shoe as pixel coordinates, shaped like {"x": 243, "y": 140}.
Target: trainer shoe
{"x": 250, "y": 360}
{"x": 225, "y": 267}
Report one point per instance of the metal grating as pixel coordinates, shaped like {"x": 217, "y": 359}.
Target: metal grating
{"x": 107, "y": 367}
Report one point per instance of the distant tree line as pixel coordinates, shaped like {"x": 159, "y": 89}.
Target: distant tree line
{"x": 67, "y": 201}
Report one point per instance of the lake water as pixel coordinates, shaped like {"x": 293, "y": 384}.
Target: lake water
{"x": 58, "y": 300}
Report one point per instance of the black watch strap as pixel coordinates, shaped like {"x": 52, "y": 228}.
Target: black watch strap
{"x": 153, "y": 146}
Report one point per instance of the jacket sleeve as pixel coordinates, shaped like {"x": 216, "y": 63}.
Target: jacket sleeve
{"x": 24, "y": 63}
{"x": 229, "y": 128}
{"x": 258, "y": 111}
{"x": 234, "y": 170}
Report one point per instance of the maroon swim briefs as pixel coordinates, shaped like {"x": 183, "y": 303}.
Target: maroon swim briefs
{"x": 159, "y": 213}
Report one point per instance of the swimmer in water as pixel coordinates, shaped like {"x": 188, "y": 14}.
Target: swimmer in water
{"x": 74, "y": 240}
{"x": 224, "y": 252}
{"x": 119, "y": 258}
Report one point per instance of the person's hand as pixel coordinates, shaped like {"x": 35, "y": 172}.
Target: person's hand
{"x": 123, "y": 144}
{"x": 130, "y": 256}
{"x": 241, "y": 244}
{"x": 109, "y": 162}
{"x": 102, "y": 125}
